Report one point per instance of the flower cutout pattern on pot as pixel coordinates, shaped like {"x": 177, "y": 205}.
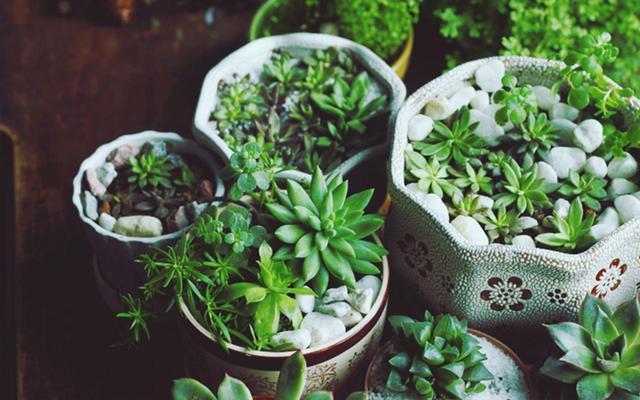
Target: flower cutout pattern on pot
{"x": 608, "y": 279}
{"x": 557, "y": 296}
{"x": 415, "y": 254}
{"x": 447, "y": 283}
{"x": 506, "y": 295}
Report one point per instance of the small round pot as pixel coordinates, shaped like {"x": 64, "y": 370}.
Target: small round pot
{"x": 329, "y": 366}
{"x": 452, "y": 276}
{"x": 378, "y": 369}
{"x": 270, "y": 7}
{"x": 115, "y": 253}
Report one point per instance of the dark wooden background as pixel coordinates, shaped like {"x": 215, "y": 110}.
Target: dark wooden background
{"x": 67, "y": 85}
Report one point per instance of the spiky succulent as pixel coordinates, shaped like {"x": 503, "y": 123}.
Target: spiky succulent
{"x": 328, "y": 231}
{"x": 571, "y": 232}
{"x": 437, "y": 358}
{"x": 536, "y": 134}
{"x": 431, "y": 176}
{"x": 522, "y": 188}
{"x": 477, "y": 181}
{"x": 505, "y": 224}
{"x": 149, "y": 169}
{"x": 588, "y": 188}
{"x": 601, "y": 352}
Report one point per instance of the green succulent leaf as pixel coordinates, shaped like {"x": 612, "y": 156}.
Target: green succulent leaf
{"x": 233, "y": 389}
{"x": 292, "y": 378}
{"x": 581, "y": 358}
{"x": 594, "y": 387}
{"x": 568, "y": 335}
{"x": 561, "y": 371}
{"x": 191, "y": 389}
{"x": 627, "y": 379}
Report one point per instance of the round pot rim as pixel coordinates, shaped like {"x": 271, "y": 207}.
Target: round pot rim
{"x": 374, "y": 65}
{"x": 495, "y": 342}
{"x": 398, "y": 189}
{"x": 378, "y": 305}
{"x": 138, "y": 138}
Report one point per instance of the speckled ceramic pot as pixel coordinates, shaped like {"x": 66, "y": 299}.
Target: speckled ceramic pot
{"x": 497, "y": 284}
{"x": 251, "y": 57}
{"x": 115, "y": 253}
{"x": 329, "y": 366}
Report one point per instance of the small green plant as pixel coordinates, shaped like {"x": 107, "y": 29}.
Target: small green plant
{"x": 517, "y": 101}
{"x": 601, "y": 353}
{"x": 432, "y": 177}
{"x": 477, "y": 181}
{"x": 435, "y": 358}
{"x": 522, "y": 188}
{"x": 149, "y": 169}
{"x": 252, "y": 167}
{"x": 240, "y": 103}
{"x": 537, "y": 136}
{"x": 504, "y": 223}
{"x": 572, "y": 232}
{"x": 588, "y": 188}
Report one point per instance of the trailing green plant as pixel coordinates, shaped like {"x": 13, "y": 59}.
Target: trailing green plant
{"x": 436, "y": 358}
{"x": 600, "y": 353}
{"x": 571, "y": 232}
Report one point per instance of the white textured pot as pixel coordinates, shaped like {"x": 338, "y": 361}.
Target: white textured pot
{"x": 115, "y": 253}
{"x": 496, "y": 285}
{"x": 251, "y": 57}
{"x": 329, "y": 366}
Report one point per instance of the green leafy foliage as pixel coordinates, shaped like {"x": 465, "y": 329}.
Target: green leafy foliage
{"x": 149, "y": 169}
{"x": 572, "y": 232}
{"x": 588, "y": 188}
{"x": 504, "y": 223}
{"x": 601, "y": 352}
{"x": 536, "y": 136}
{"x": 517, "y": 101}
{"x": 252, "y": 167}
{"x": 522, "y": 188}
{"x": 432, "y": 177}
{"x": 435, "y": 358}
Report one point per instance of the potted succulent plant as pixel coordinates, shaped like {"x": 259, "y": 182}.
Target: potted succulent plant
{"x": 308, "y": 100}
{"x": 600, "y": 353}
{"x": 139, "y": 191}
{"x": 440, "y": 358}
{"x": 514, "y": 183}
{"x": 384, "y": 27}
{"x": 295, "y": 266}
{"x": 290, "y": 386}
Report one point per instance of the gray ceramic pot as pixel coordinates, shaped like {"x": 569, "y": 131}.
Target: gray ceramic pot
{"x": 497, "y": 284}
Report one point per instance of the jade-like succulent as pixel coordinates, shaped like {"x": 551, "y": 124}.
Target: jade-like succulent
{"x": 436, "y": 358}
{"x": 571, "y": 232}
{"x": 601, "y": 352}
{"x": 290, "y": 386}
{"x": 327, "y": 230}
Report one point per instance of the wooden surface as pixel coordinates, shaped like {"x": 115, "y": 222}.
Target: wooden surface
{"x": 68, "y": 85}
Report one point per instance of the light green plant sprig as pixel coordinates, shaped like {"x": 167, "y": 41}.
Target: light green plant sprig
{"x": 517, "y": 101}
{"x": 588, "y": 188}
{"x": 536, "y": 134}
{"x": 572, "y": 232}
{"x": 149, "y": 169}
{"x": 601, "y": 352}
{"x": 505, "y": 224}
{"x": 431, "y": 176}
{"x": 522, "y": 188}
{"x": 436, "y": 358}
{"x": 477, "y": 181}
{"x": 327, "y": 230}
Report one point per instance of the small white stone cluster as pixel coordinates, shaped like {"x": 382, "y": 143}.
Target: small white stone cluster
{"x": 577, "y": 139}
{"x": 329, "y": 317}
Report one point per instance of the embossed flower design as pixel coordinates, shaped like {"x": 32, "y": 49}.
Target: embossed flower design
{"x": 415, "y": 254}
{"x": 503, "y": 295}
{"x": 557, "y": 296}
{"x": 447, "y": 283}
{"x": 608, "y": 279}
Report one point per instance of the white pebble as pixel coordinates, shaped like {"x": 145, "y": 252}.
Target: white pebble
{"x": 489, "y": 75}
{"x": 480, "y": 100}
{"x": 528, "y": 222}
{"x": 305, "y": 302}
{"x": 90, "y": 205}
{"x": 435, "y": 204}
{"x": 565, "y": 111}
{"x": 628, "y": 207}
{"x": 462, "y": 97}
{"x": 491, "y": 110}
{"x": 323, "y": 328}
{"x": 607, "y": 222}
{"x": 335, "y": 294}
{"x": 106, "y": 173}
{"x": 636, "y": 195}
{"x": 485, "y": 202}
{"x": 419, "y": 127}
{"x": 106, "y": 221}
{"x": 561, "y": 208}
{"x": 596, "y": 166}
{"x": 524, "y": 241}
{"x": 361, "y": 300}
{"x": 299, "y": 339}
{"x": 565, "y": 159}
{"x": 563, "y": 129}
{"x": 622, "y": 167}
{"x": 470, "y": 230}
{"x": 351, "y": 318}
{"x": 439, "y": 109}
{"x": 545, "y": 97}
{"x": 337, "y": 309}
{"x": 588, "y": 135}
{"x": 138, "y": 226}
{"x": 96, "y": 187}
{"x": 546, "y": 172}
{"x": 370, "y": 281}
{"x": 621, "y": 186}
{"x": 487, "y": 128}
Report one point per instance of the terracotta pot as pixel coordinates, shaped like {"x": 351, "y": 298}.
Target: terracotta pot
{"x": 329, "y": 366}
{"x": 269, "y": 8}
{"x": 378, "y": 370}
{"x": 438, "y": 265}
{"x": 115, "y": 253}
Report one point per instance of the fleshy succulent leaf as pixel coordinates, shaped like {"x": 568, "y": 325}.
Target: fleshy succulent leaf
{"x": 292, "y": 378}
{"x": 233, "y": 389}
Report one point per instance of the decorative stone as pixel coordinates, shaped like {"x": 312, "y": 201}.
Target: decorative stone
{"x": 524, "y": 241}
{"x": 462, "y": 97}
{"x": 491, "y": 110}
{"x": 439, "y": 109}
{"x": 485, "y": 202}
{"x": 176, "y": 160}
{"x": 159, "y": 148}
{"x": 546, "y": 172}
{"x": 564, "y": 111}
{"x": 96, "y": 187}
{"x": 470, "y": 230}
{"x": 90, "y": 205}
{"x": 622, "y": 167}
{"x": 323, "y": 328}
{"x": 335, "y": 294}
{"x": 206, "y": 191}
{"x": 106, "y": 173}
{"x": 636, "y": 195}
{"x": 120, "y": 156}
{"x": 369, "y": 281}
{"x": 620, "y": 186}
{"x": 337, "y": 309}
{"x": 528, "y": 222}
{"x": 106, "y": 221}
{"x": 299, "y": 339}
{"x": 487, "y": 128}
{"x": 436, "y": 205}
{"x": 489, "y": 75}
{"x": 178, "y": 220}
{"x": 607, "y": 222}
{"x": 419, "y": 127}
{"x": 480, "y": 100}
{"x": 596, "y": 166}
{"x": 564, "y": 129}
{"x": 565, "y": 159}
{"x": 362, "y": 300}
{"x": 351, "y": 318}
{"x": 545, "y": 97}
{"x": 306, "y": 302}
{"x": 561, "y": 207}
{"x": 588, "y": 135}
{"x": 138, "y": 226}
{"x": 194, "y": 209}
{"x": 628, "y": 207}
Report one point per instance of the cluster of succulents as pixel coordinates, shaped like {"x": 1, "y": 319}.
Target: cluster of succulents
{"x": 524, "y": 165}
{"x": 146, "y": 191}
{"x": 304, "y": 112}
{"x": 242, "y": 269}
